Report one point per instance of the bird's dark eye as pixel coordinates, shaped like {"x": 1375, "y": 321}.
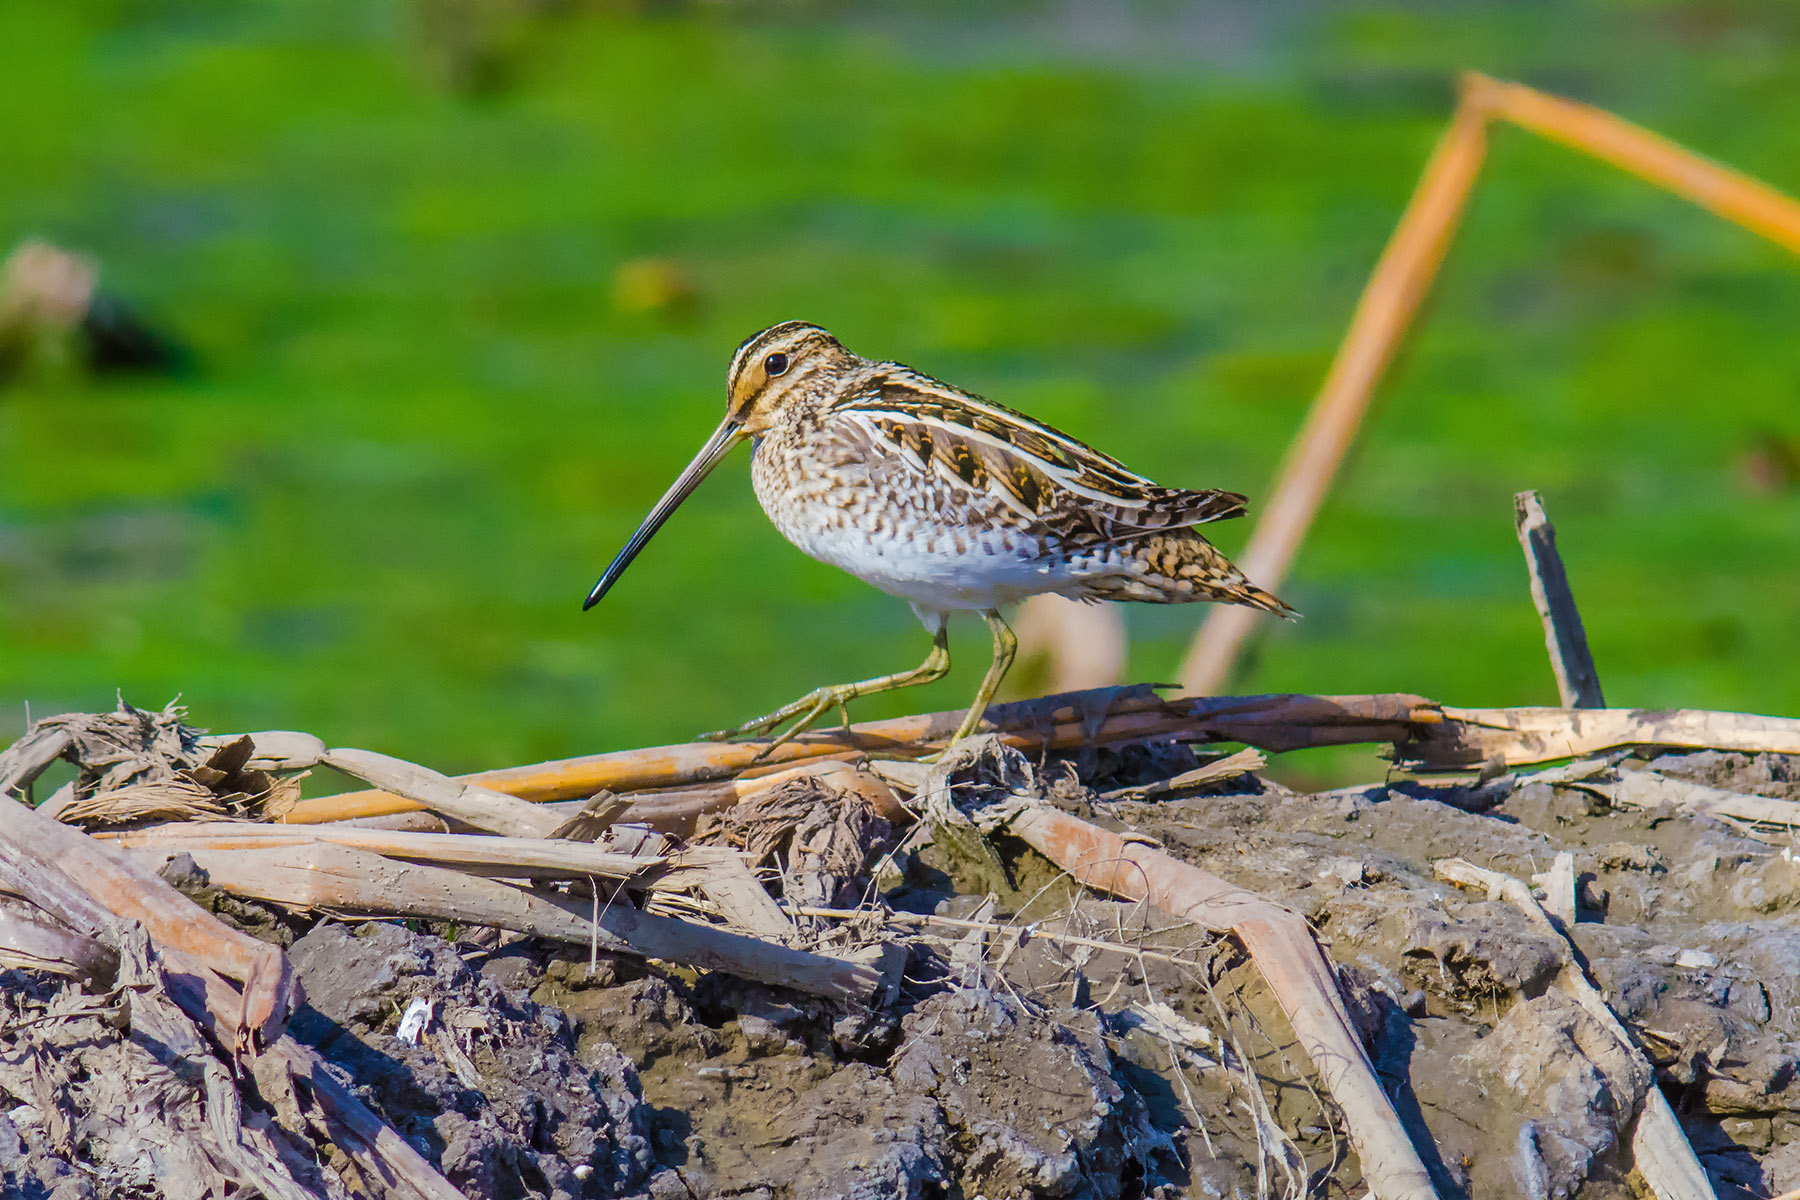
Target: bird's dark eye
{"x": 775, "y": 364}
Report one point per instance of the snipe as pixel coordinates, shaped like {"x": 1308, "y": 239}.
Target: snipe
{"x": 947, "y": 500}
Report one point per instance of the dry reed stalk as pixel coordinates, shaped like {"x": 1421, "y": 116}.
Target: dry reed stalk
{"x": 73, "y": 877}
{"x": 1509, "y": 737}
{"x": 678, "y": 810}
{"x": 340, "y": 879}
{"x": 1402, "y": 278}
{"x": 1742, "y": 199}
{"x": 479, "y": 854}
{"x": 1279, "y": 722}
{"x": 1384, "y": 313}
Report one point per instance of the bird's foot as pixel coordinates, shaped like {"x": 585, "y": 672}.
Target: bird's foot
{"x": 804, "y": 713}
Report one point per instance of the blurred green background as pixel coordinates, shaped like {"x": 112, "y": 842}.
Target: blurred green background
{"x": 458, "y": 284}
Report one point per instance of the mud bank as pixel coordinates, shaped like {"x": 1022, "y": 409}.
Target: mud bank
{"x": 1043, "y": 1041}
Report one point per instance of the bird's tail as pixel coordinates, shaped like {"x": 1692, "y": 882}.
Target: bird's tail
{"x": 1179, "y": 567}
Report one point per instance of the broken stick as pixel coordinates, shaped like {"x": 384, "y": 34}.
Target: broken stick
{"x": 478, "y": 854}
{"x": 44, "y": 859}
{"x": 342, "y": 879}
{"x": 1577, "y": 681}
{"x": 1278, "y": 722}
{"x": 295, "y": 1072}
{"x": 1467, "y": 738}
{"x": 470, "y": 803}
{"x": 31, "y": 940}
{"x": 99, "y": 891}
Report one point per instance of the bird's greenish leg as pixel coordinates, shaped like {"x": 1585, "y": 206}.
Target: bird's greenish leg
{"x": 805, "y": 711}
{"x": 1006, "y": 644}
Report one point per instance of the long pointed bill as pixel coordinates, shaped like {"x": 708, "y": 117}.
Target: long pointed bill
{"x": 728, "y": 435}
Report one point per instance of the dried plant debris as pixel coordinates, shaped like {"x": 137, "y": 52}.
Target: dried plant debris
{"x": 116, "y": 1095}
{"x": 135, "y": 766}
{"x": 112, "y": 750}
{"x": 1046, "y": 1041}
{"x": 822, "y": 841}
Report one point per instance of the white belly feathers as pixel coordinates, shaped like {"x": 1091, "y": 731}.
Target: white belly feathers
{"x": 909, "y": 534}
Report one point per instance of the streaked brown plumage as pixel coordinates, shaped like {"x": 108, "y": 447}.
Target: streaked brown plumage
{"x": 947, "y": 500}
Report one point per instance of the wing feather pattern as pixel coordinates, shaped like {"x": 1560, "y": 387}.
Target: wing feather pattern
{"x": 1041, "y": 475}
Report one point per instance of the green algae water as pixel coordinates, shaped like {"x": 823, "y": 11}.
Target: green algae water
{"x": 458, "y": 295}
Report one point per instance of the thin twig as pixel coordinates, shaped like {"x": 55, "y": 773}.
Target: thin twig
{"x": 1026, "y": 932}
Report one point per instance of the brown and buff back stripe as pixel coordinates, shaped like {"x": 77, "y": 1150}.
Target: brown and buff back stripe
{"x": 1036, "y": 470}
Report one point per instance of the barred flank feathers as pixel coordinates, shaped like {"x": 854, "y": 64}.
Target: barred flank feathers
{"x": 1180, "y": 567}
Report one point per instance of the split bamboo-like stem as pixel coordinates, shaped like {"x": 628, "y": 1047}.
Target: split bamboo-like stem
{"x": 1053, "y": 723}
{"x": 479, "y": 854}
{"x": 341, "y": 879}
{"x": 1467, "y": 738}
{"x": 65, "y": 872}
{"x": 1649, "y": 789}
